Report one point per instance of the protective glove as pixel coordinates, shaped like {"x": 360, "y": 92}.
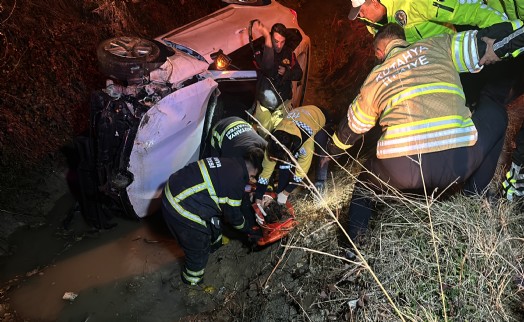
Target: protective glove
{"x": 259, "y": 217}
{"x": 282, "y": 198}
{"x": 513, "y": 185}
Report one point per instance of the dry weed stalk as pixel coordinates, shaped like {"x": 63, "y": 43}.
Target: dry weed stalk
{"x": 116, "y": 14}
{"x": 439, "y": 259}
{"x": 311, "y": 187}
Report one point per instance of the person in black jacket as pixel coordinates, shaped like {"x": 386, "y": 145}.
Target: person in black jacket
{"x": 198, "y": 197}
{"x": 278, "y": 67}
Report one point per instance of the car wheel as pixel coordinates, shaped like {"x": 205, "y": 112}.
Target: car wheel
{"x": 128, "y": 58}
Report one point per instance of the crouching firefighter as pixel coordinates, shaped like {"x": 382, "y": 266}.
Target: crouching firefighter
{"x": 198, "y": 197}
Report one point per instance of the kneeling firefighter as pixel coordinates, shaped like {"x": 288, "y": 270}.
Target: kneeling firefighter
{"x": 301, "y": 131}
{"x": 197, "y": 197}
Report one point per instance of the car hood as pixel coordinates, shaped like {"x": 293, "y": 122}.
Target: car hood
{"x": 227, "y": 29}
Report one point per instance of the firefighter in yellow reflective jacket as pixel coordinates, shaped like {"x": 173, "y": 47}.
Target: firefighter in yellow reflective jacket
{"x": 197, "y": 197}
{"x": 514, "y": 9}
{"x": 425, "y": 18}
{"x": 430, "y": 138}
{"x": 299, "y": 132}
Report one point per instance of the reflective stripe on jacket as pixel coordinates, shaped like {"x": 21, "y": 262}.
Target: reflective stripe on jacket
{"x": 514, "y": 9}
{"x": 206, "y": 188}
{"x": 417, "y": 97}
{"x": 426, "y": 18}
{"x": 233, "y": 137}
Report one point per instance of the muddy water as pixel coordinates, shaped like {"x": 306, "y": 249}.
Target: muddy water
{"x": 50, "y": 265}
{"x": 128, "y": 273}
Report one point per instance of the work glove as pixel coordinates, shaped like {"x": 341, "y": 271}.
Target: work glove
{"x": 282, "y": 198}
{"x": 513, "y": 185}
{"x": 259, "y": 217}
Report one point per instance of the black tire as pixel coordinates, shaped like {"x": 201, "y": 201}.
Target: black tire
{"x": 128, "y": 58}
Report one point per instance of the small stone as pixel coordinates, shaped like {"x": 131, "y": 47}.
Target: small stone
{"x": 69, "y": 296}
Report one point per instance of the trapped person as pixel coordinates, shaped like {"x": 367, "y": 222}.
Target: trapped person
{"x": 197, "y": 198}
{"x": 430, "y": 138}
{"x": 278, "y": 68}
{"x": 299, "y": 132}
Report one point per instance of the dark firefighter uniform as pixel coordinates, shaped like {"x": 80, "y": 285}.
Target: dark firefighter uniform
{"x": 513, "y": 184}
{"x": 268, "y": 113}
{"x": 233, "y": 137}
{"x": 430, "y": 138}
{"x": 304, "y": 122}
{"x": 195, "y": 200}
{"x": 427, "y": 18}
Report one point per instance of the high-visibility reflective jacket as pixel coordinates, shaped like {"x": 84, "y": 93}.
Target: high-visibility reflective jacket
{"x": 304, "y": 122}
{"x": 417, "y": 97}
{"x": 233, "y": 137}
{"x": 426, "y": 18}
{"x": 514, "y": 9}
{"x": 208, "y": 188}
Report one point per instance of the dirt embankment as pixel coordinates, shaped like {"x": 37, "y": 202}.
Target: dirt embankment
{"x": 49, "y": 67}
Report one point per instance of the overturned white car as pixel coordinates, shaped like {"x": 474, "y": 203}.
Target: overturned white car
{"x": 163, "y": 96}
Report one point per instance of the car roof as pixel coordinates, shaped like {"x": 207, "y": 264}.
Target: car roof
{"x": 227, "y": 28}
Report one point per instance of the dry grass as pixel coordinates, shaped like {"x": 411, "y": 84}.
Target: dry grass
{"x": 436, "y": 260}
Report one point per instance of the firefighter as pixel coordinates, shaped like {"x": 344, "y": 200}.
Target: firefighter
{"x": 430, "y": 138}
{"x": 299, "y": 132}
{"x": 424, "y": 18}
{"x": 233, "y": 137}
{"x": 278, "y": 68}
{"x": 197, "y": 198}
{"x": 513, "y": 183}
{"x": 514, "y": 9}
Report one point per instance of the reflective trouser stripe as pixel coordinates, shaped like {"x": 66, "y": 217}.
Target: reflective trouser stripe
{"x": 193, "y": 277}
{"x": 240, "y": 226}
{"x": 218, "y": 239}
